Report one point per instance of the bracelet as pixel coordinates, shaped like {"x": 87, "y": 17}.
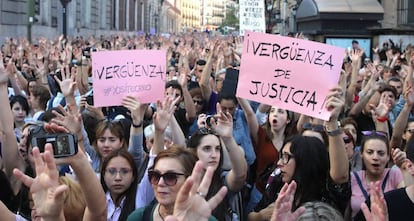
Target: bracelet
{"x": 137, "y": 125}
{"x": 335, "y": 132}
{"x": 382, "y": 119}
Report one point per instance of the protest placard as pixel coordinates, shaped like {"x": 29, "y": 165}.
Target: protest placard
{"x": 139, "y": 73}
{"x": 290, "y": 73}
{"x": 252, "y": 16}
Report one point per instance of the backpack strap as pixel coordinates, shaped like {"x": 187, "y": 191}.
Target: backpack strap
{"x": 52, "y": 99}
{"x": 63, "y": 102}
{"x": 360, "y": 185}
{"x": 50, "y": 104}
{"x": 384, "y": 182}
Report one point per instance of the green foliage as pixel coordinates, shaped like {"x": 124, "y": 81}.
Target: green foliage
{"x": 231, "y": 18}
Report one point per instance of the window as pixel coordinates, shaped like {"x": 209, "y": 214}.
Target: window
{"x": 405, "y": 8}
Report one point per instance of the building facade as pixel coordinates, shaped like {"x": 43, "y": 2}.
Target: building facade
{"x": 212, "y": 14}
{"x": 83, "y": 17}
{"x": 190, "y": 15}
{"x": 171, "y": 16}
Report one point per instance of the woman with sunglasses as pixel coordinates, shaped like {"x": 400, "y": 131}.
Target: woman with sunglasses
{"x": 167, "y": 176}
{"x": 208, "y": 144}
{"x": 119, "y": 181}
{"x": 353, "y": 155}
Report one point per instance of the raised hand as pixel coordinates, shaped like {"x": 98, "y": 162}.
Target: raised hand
{"x": 224, "y": 124}
{"x": 69, "y": 120}
{"x": 164, "y": 112}
{"x": 283, "y": 204}
{"x": 67, "y": 84}
{"x": 137, "y": 109}
{"x": 4, "y": 77}
{"x": 379, "y": 210}
{"x": 47, "y": 194}
{"x": 398, "y": 156}
{"x": 335, "y": 101}
{"x": 355, "y": 55}
{"x": 191, "y": 203}
{"x": 383, "y": 107}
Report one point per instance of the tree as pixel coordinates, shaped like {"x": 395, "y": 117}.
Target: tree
{"x": 231, "y": 18}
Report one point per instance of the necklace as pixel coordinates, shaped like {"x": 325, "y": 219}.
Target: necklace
{"x": 159, "y": 213}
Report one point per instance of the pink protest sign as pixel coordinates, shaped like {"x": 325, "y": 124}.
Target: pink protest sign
{"x": 291, "y": 73}
{"x": 139, "y": 73}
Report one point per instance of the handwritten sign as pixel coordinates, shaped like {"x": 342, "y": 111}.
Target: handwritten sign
{"x": 252, "y": 16}
{"x": 291, "y": 73}
{"x": 117, "y": 74}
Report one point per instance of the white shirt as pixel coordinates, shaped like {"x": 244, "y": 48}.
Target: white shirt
{"x": 113, "y": 212}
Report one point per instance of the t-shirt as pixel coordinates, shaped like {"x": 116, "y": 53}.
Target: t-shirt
{"x": 138, "y": 215}
{"x": 182, "y": 120}
{"x": 266, "y": 154}
{"x": 399, "y": 205}
{"x": 394, "y": 178}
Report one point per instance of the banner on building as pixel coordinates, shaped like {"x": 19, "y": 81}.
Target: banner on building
{"x": 252, "y": 16}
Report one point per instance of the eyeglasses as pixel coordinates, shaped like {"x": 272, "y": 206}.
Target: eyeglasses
{"x": 285, "y": 157}
{"x": 347, "y": 140}
{"x": 122, "y": 172}
{"x": 170, "y": 178}
{"x": 200, "y": 102}
{"x": 375, "y": 133}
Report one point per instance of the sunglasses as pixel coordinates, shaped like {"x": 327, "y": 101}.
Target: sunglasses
{"x": 170, "y": 178}
{"x": 375, "y": 133}
{"x": 347, "y": 140}
{"x": 200, "y": 102}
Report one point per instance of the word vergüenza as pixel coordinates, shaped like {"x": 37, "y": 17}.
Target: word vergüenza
{"x": 291, "y": 52}
{"x": 130, "y": 70}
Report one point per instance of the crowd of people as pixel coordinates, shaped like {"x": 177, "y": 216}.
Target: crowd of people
{"x": 201, "y": 153}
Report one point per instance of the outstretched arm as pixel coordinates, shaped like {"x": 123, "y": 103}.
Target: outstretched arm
{"x": 10, "y": 155}
{"x": 47, "y": 194}
{"x": 135, "y": 139}
{"x": 161, "y": 119}
{"x": 339, "y": 165}
{"x": 224, "y": 127}
{"x": 252, "y": 121}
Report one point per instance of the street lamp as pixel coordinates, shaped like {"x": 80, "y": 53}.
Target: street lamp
{"x": 269, "y": 10}
{"x": 30, "y": 13}
{"x": 64, "y": 4}
{"x": 156, "y": 23}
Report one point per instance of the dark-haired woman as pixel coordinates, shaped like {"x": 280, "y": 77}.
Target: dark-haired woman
{"x": 209, "y": 144}
{"x": 325, "y": 177}
{"x": 119, "y": 181}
